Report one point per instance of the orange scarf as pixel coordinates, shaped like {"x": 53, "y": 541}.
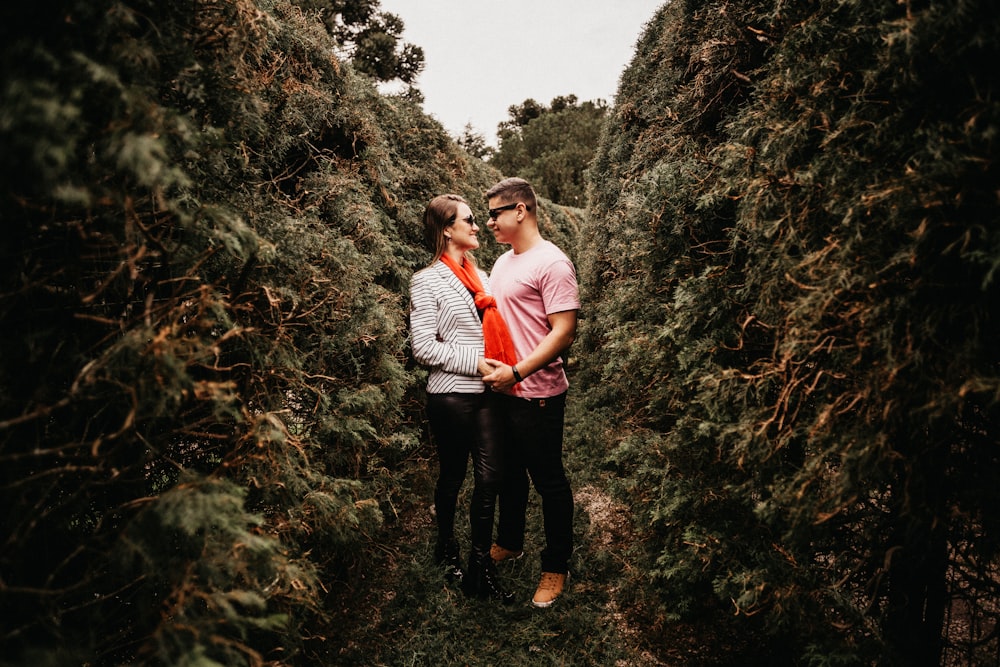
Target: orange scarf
{"x": 496, "y": 335}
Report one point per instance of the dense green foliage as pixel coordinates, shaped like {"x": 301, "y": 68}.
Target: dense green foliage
{"x": 793, "y": 324}
{"x": 551, "y": 146}
{"x": 373, "y": 39}
{"x": 209, "y": 422}
{"x": 205, "y": 395}
{"x": 473, "y": 142}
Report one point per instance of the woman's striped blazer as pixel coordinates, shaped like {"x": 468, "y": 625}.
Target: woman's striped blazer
{"x": 446, "y": 333}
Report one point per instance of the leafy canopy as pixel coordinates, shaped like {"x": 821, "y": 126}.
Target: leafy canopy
{"x": 551, "y": 146}
{"x": 372, "y": 39}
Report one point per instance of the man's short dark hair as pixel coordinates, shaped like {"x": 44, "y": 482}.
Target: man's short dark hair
{"x": 514, "y": 189}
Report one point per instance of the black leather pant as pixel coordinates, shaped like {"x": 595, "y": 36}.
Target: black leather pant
{"x": 464, "y": 425}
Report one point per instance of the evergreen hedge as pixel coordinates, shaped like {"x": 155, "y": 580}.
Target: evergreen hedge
{"x": 789, "y": 270}
{"x": 206, "y": 398}
{"x": 792, "y": 330}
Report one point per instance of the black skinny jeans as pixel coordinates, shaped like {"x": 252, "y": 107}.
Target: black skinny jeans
{"x": 464, "y": 425}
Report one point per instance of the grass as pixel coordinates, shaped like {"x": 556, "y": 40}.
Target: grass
{"x": 409, "y": 615}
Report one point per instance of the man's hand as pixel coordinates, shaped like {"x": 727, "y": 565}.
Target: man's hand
{"x": 501, "y": 377}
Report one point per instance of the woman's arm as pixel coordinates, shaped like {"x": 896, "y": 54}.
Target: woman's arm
{"x": 432, "y": 343}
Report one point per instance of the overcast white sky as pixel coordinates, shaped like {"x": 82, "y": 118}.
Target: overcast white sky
{"x": 483, "y": 57}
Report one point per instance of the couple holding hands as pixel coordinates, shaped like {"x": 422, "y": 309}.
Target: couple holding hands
{"x": 497, "y": 388}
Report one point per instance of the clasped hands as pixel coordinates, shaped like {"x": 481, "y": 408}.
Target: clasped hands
{"x": 496, "y": 374}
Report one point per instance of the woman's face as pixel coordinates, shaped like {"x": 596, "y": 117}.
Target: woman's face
{"x": 463, "y": 231}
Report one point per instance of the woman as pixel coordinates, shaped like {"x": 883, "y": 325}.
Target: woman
{"x": 454, "y": 327}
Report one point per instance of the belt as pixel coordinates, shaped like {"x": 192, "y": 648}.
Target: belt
{"x": 540, "y": 402}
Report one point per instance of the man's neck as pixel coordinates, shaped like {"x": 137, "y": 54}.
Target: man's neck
{"x": 525, "y": 244}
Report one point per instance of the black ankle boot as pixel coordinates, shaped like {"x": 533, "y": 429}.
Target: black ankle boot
{"x": 481, "y": 580}
{"x": 446, "y": 555}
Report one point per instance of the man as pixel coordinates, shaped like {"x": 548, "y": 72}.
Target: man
{"x": 535, "y": 287}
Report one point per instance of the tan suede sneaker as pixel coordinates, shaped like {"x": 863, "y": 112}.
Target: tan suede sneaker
{"x": 498, "y": 554}
{"x": 549, "y": 589}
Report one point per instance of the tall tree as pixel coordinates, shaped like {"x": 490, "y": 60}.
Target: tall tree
{"x": 474, "y": 142}
{"x": 551, "y": 146}
{"x": 371, "y": 38}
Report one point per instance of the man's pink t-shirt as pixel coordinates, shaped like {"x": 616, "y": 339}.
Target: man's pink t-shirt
{"x": 528, "y": 287}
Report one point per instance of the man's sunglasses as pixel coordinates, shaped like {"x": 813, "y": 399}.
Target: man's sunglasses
{"x": 494, "y": 212}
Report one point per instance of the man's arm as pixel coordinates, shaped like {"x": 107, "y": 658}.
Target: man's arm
{"x": 561, "y": 335}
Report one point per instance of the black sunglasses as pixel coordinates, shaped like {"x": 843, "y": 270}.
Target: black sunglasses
{"x": 494, "y": 212}
{"x": 471, "y": 219}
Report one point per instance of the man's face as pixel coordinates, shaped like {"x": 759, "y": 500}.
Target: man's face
{"x": 504, "y": 218}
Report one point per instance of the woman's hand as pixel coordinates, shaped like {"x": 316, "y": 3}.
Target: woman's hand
{"x": 502, "y": 377}
{"x": 487, "y": 366}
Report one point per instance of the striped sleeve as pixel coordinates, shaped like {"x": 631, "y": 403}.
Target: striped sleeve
{"x": 430, "y": 317}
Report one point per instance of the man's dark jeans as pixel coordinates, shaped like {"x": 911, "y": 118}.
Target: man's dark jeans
{"x": 532, "y": 446}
